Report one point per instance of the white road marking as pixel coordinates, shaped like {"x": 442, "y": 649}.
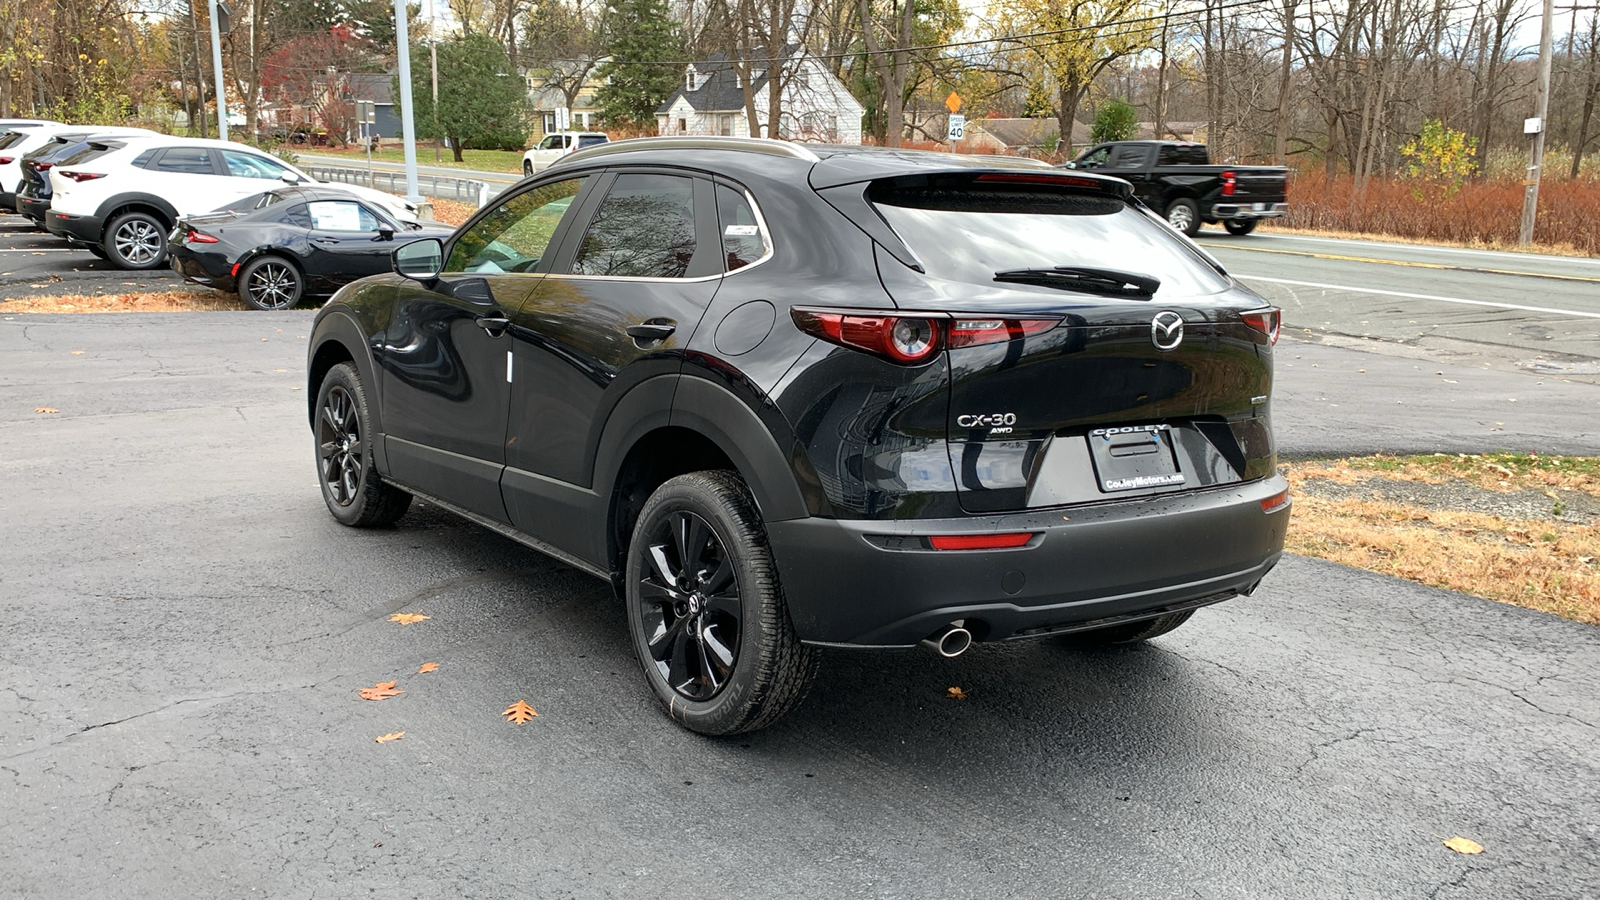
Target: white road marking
{"x": 1361, "y": 290}
{"x": 42, "y": 250}
{"x": 1498, "y": 254}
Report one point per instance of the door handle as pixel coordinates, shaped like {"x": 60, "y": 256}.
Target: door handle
{"x": 325, "y": 240}
{"x": 653, "y": 332}
{"x": 495, "y": 325}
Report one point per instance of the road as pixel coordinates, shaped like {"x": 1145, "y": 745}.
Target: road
{"x": 187, "y": 629}
{"x": 497, "y": 181}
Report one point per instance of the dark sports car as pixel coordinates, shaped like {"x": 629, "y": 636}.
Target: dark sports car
{"x": 279, "y": 246}
{"x": 785, "y": 397}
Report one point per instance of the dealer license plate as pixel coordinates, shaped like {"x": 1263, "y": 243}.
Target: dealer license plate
{"x": 1134, "y": 457}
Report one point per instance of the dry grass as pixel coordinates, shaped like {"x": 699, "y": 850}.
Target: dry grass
{"x": 1544, "y": 565}
{"x": 1477, "y": 214}
{"x": 157, "y": 301}
{"x": 452, "y": 212}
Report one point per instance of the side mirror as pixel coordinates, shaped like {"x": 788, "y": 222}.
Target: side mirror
{"x": 419, "y": 260}
{"x": 1069, "y": 165}
{"x": 385, "y": 233}
{"x": 289, "y": 178}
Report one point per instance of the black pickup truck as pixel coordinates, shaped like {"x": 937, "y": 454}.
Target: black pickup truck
{"x": 1178, "y": 180}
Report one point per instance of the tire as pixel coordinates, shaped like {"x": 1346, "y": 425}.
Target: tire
{"x": 96, "y": 249}
{"x": 1131, "y": 633}
{"x": 350, "y": 484}
{"x": 713, "y": 636}
{"x": 135, "y": 240}
{"x": 271, "y": 283}
{"x": 1240, "y": 227}
{"x": 527, "y": 169}
{"x": 1184, "y": 215}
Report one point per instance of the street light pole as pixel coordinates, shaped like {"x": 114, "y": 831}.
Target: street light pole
{"x": 1541, "y": 102}
{"x": 216, "y": 68}
{"x": 408, "y": 128}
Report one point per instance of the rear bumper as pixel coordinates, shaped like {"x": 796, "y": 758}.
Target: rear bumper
{"x": 1086, "y": 566}
{"x": 77, "y": 229}
{"x": 210, "y": 269}
{"x": 1250, "y": 210}
{"x": 32, "y": 207}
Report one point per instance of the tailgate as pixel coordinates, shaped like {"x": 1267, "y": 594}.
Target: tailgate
{"x": 1260, "y": 185}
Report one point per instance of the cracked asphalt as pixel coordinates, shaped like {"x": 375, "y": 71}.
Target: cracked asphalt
{"x": 185, "y": 630}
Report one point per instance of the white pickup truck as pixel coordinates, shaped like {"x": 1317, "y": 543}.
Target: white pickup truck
{"x": 556, "y": 145}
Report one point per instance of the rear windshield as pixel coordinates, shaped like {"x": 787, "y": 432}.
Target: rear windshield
{"x": 91, "y": 152}
{"x": 969, "y": 233}
{"x": 11, "y": 137}
{"x": 590, "y": 140}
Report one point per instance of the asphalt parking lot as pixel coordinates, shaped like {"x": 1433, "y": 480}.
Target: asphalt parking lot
{"x": 35, "y": 263}
{"x": 187, "y": 630}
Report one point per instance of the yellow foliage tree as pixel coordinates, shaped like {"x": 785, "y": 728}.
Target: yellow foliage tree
{"x": 1070, "y": 42}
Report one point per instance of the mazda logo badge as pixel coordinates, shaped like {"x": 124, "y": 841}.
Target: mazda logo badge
{"x": 1166, "y": 330}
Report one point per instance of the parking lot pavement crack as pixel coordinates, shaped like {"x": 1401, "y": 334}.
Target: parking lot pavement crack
{"x": 1517, "y": 693}
{"x": 1460, "y": 881}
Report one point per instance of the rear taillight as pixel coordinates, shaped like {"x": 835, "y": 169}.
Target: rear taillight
{"x": 1230, "y": 181}
{"x": 980, "y": 541}
{"x": 913, "y": 339}
{"x": 43, "y": 167}
{"x": 198, "y": 237}
{"x": 1275, "y": 502}
{"x": 1265, "y": 321}
{"x": 84, "y": 176}
{"x": 7, "y": 160}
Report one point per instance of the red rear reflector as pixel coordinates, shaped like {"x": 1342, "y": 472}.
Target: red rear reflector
{"x": 195, "y": 237}
{"x": 235, "y": 270}
{"x": 1265, "y": 321}
{"x": 1275, "y": 502}
{"x": 1230, "y": 181}
{"x": 980, "y": 541}
{"x": 84, "y": 176}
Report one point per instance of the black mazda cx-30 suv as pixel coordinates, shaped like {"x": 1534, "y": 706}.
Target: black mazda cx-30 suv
{"x": 788, "y": 397}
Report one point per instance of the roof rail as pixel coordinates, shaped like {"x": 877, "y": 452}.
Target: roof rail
{"x": 748, "y": 145}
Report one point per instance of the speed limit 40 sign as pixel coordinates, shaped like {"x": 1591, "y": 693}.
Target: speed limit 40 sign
{"x": 958, "y": 127}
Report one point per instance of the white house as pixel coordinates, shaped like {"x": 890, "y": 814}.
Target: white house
{"x": 816, "y": 106}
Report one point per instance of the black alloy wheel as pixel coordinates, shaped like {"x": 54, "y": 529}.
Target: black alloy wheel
{"x": 354, "y": 492}
{"x": 136, "y": 240}
{"x": 1240, "y": 227}
{"x": 691, "y": 613}
{"x": 270, "y": 283}
{"x": 706, "y": 612}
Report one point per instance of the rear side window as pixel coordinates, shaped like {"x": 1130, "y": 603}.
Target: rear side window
{"x": 11, "y": 137}
{"x": 744, "y": 241}
{"x": 643, "y": 229}
{"x": 185, "y": 161}
{"x": 968, "y": 232}
{"x": 1184, "y": 155}
{"x": 590, "y": 140}
{"x": 1135, "y": 156}
{"x": 142, "y": 161}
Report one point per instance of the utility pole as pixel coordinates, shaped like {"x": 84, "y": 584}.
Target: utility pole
{"x": 1538, "y": 125}
{"x": 216, "y": 66}
{"x": 408, "y": 127}
{"x": 433, "y": 61}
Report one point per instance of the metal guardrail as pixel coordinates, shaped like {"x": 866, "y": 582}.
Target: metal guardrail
{"x": 440, "y": 187}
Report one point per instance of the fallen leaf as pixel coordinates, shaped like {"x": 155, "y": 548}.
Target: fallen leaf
{"x": 409, "y": 618}
{"x": 427, "y": 667}
{"x": 955, "y": 693}
{"x": 46, "y": 409}
{"x": 1464, "y": 845}
{"x": 280, "y": 370}
{"x": 383, "y": 690}
{"x": 519, "y": 712}
{"x": 393, "y": 736}
{"x": 77, "y": 353}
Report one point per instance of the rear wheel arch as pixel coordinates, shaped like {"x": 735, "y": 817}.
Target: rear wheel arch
{"x": 127, "y": 203}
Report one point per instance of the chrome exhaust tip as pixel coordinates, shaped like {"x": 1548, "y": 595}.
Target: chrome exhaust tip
{"x": 950, "y": 641}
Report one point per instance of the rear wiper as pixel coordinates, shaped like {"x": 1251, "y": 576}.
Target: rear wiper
{"x": 1109, "y": 282}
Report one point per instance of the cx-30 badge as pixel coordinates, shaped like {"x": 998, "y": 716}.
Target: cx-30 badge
{"x": 1166, "y": 330}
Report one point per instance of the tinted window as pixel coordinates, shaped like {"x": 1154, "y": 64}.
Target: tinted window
{"x": 11, "y": 137}
{"x": 1096, "y": 157}
{"x": 590, "y": 140}
{"x": 90, "y": 152}
{"x": 143, "y": 160}
{"x": 514, "y": 236}
{"x": 1132, "y": 157}
{"x": 643, "y": 229}
{"x": 341, "y": 215}
{"x": 550, "y": 143}
{"x": 185, "y": 160}
{"x": 1183, "y": 155}
{"x": 743, "y": 239}
{"x": 967, "y": 233}
{"x": 248, "y": 165}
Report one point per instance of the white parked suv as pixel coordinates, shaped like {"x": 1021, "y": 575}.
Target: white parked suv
{"x": 554, "y": 146}
{"x": 18, "y": 136}
{"x": 120, "y": 197}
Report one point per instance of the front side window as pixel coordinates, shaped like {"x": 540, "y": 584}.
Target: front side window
{"x": 341, "y": 215}
{"x": 248, "y": 165}
{"x": 553, "y": 142}
{"x": 1096, "y": 157}
{"x": 1132, "y": 157}
{"x": 743, "y": 239}
{"x": 643, "y": 229}
{"x": 185, "y": 161}
{"x": 516, "y": 235}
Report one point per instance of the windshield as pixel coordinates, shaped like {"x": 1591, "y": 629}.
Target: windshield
{"x": 964, "y": 233}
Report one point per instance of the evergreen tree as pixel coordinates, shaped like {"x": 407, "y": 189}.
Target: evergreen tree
{"x": 1114, "y": 121}
{"x": 483, "y": 103}
{"x": 640, "y": 36}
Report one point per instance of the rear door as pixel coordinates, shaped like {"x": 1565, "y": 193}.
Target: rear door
{"x": 624, "y": 295}
{"x": 1132, "y": 163}
{"x": 190, "y": 178}
{"x": 1079, "y": 391}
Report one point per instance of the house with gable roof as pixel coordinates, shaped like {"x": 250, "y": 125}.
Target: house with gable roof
{"x": 710, "y": 101}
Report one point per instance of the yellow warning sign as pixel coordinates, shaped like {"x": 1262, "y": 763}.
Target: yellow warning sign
{"x": 953, "y": 102}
